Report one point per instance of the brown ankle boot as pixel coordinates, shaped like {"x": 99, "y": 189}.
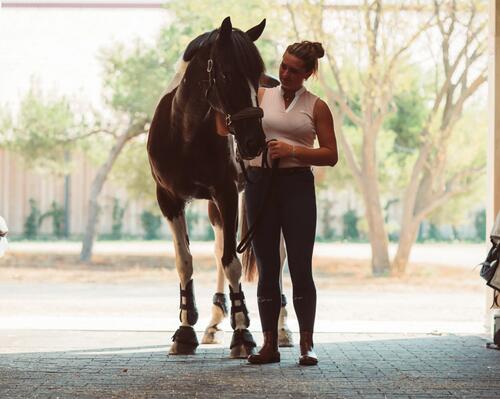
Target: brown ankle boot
{"x": 307, "y": 355}
{"x": 269, "y": 351}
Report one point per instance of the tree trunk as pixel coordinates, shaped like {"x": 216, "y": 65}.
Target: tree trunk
{"x": 378, "y": 236}
{"x": 95, "y": 191}
{"x": 409, "y": 231}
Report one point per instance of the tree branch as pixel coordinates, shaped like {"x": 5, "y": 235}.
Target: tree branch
{"x": 452, "y": 188}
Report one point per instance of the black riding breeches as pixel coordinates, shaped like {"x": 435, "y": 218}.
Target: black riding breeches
{"x": 291, "y": 209}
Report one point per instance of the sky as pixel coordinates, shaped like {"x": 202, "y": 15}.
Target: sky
{"x": 58, "y": 47}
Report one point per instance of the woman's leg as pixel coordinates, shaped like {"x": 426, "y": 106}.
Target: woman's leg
{"x": 298, "y": 219}
{"x": 266, "y": 249}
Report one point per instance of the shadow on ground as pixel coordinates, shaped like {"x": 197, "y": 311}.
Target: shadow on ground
{"x": 117, "y": 364}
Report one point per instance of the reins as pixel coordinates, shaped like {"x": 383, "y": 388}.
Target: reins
{"x": 247, "y": 240}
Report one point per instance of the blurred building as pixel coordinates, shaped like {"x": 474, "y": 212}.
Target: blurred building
{"x": 57, "y": 43}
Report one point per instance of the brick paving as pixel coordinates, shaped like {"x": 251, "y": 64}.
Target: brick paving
{"x": 107, "y": 364}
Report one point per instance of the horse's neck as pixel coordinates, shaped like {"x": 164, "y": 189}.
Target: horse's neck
{"x": 189, "y": 110}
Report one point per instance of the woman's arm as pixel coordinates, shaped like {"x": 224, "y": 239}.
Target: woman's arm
{"x": 326, "y": 154}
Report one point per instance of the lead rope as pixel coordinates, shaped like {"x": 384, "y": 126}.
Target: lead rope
{"x": 247, "y": 240}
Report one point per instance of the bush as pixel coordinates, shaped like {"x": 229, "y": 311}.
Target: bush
{"x": 480, "y": 225}
{"x": 151, "y": 224}
{"x": 57, "y": 214}
{"x": 117, "y": 226}
{"x": 350, "y": 225}
{"x": 32, "y": 224}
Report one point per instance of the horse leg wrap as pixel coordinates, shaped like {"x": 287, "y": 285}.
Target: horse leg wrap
{"x": 220, "y": 301}
{"x": 186, "y": 340}
{"x": 242, "y": 337}
{"x": 242, "y": 307}
{"x": 189, "y": 306}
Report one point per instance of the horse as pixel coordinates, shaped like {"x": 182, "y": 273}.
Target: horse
{"x": 191, "y": 157}
{"x": 3, "y": 236}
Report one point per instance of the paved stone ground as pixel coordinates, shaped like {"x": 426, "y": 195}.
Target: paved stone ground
{"x": 91, "y": 364}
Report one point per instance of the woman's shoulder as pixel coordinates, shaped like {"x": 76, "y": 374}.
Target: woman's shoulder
{"x": 310, "y": 100}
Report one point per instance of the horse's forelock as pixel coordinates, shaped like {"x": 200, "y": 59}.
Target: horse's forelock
{"x": 202, "y": 41}
{"x": 245, "y": 56}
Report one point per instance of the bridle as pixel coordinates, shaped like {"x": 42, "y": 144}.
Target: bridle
{"x": 245, "y": 113}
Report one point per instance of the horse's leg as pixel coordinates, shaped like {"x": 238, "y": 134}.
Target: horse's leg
{"x": 285, "y": 338}
{"x": 242, "y": 343}
{"x": 213, "y": 334}
{"x": 185, "y": 341}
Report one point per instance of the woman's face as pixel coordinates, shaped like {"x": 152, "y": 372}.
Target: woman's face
{"x": 292, "y": 72}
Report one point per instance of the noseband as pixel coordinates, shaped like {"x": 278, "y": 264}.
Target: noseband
{"x": 245, "y": 113}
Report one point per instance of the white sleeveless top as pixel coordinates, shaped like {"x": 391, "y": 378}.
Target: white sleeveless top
{"x": 293, "y": 125}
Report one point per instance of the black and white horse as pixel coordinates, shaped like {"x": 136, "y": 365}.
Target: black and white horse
{"x": 191, "y": 156}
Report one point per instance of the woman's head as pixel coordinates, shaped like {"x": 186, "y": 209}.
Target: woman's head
{"x": 299, "y": 62}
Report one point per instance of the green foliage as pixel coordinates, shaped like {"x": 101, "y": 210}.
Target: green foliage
{"x": 57, "y": 213}
{"x": 32, "y": 223}
{"x": 133, "y": 172}
{"x": 133, "y": 79}
{"x": 193, "y": 18}
{"x": 480, "y": 224}
{"x": 408, "y": 119}
{"x": 42, "y": 131}
{"x": 433, "y": 233}
{"x": 117, "y": 220}
{"x": 350, "y": 225}
{"x": 151, "y": 224}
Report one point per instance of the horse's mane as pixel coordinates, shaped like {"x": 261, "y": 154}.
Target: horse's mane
{"x": 246, "y": 55}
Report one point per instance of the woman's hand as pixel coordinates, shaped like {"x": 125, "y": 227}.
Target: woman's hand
{"x": 279, "y": 149}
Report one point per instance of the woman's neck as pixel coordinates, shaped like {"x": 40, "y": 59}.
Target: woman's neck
{"x": 289, "y": 94}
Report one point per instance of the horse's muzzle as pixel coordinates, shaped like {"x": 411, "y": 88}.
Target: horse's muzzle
{"x": 251, "y": 149}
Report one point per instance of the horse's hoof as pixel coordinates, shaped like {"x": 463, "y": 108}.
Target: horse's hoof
{"x": 213, "y": 335}
{"x": 241, "y": 351}
{"x": 178, "y": 348}
{"x": 242, "y": 344}
{"x": 285, "y": 338}
{"x": 185, "y": 341}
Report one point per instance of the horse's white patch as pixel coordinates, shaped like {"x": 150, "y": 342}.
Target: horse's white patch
{"x": 180, "y": 69}
{"x": 183, "y": 258}
{"x": 282, "y": 259}
{"x": 233, "y": 272}
{"x": 253, "y": 94}
{"x": 219, "y": 250}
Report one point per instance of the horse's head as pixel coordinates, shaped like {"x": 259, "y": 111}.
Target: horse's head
{"x": 234, "y": 67}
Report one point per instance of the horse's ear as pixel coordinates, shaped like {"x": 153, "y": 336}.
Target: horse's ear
{"x": 255, "y": 32}
{"x": 225, "y": 29}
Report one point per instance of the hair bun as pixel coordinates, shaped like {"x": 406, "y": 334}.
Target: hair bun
{"x": 318, "y": 49}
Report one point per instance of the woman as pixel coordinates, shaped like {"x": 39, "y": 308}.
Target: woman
{"x": 293, "y": 117}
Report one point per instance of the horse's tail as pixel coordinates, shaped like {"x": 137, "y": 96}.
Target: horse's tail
{"x": 248, "y": 257}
